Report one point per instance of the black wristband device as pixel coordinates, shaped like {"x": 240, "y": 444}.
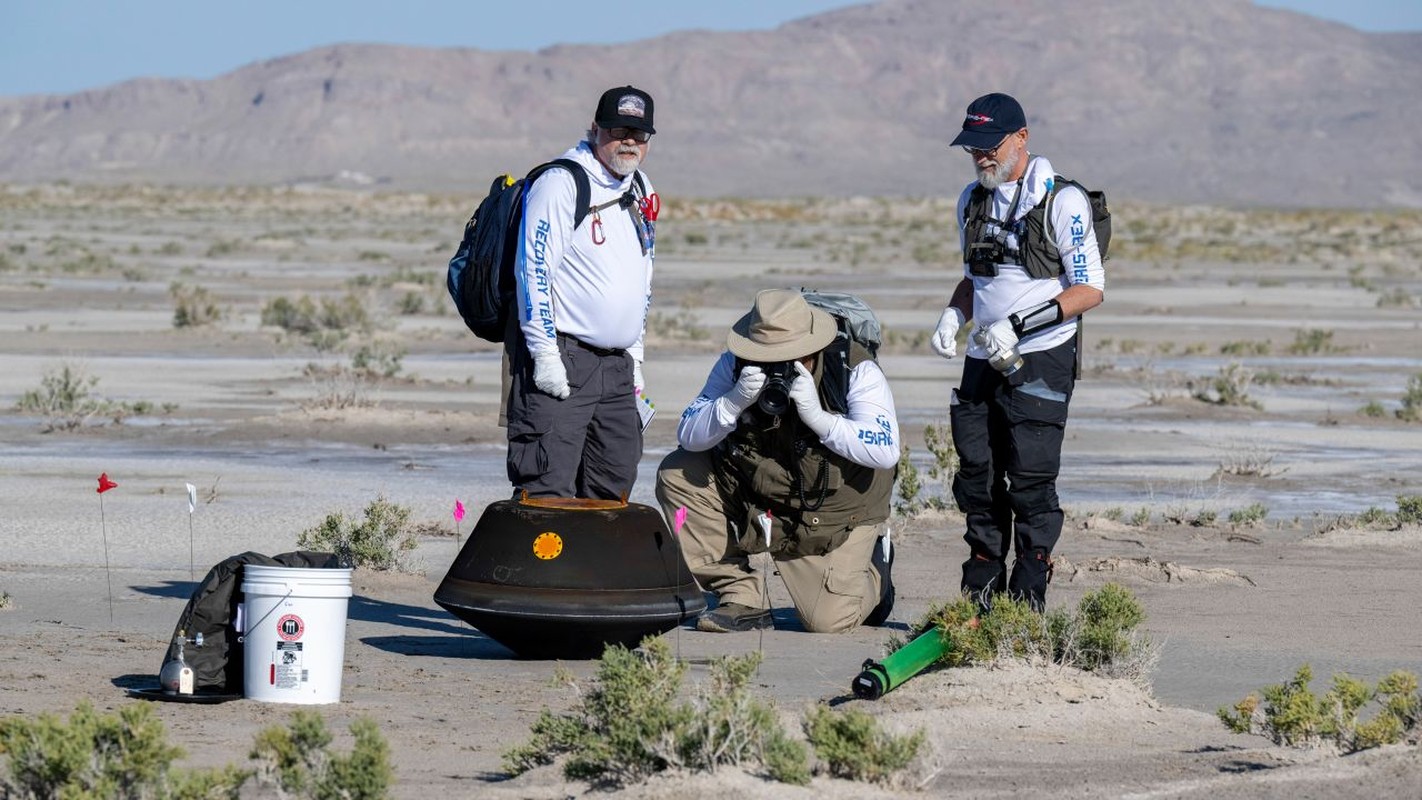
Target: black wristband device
{"x": 1037, "y": 318}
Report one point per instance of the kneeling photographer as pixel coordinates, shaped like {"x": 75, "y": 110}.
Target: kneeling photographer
{"x": 790, "y": 449}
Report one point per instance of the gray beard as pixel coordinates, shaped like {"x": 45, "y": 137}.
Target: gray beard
{"x": 625, "y": 163}
{"x": 996, "y": 176}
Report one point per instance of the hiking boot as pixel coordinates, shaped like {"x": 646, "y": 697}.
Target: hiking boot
{"x": 884, "y": 564}
{"x": 733, "y": 617}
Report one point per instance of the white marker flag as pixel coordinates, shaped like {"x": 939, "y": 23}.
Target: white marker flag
{"x": 192, "y": 498}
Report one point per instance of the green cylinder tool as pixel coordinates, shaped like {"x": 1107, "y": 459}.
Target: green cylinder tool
{"x": 879, "y": 677}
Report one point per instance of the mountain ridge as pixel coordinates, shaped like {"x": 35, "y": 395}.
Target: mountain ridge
{"x": 1213, "y": 102}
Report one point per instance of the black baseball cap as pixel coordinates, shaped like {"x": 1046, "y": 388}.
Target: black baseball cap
{"x": 990, "y": 119}
{"x": 625, "y": 107}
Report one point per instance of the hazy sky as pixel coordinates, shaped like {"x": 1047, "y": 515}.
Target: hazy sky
{"x": 51, "y": 46}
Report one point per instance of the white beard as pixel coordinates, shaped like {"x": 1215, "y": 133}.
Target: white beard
{"x": 995, "y": 176}
{"x": 626, "y": 160}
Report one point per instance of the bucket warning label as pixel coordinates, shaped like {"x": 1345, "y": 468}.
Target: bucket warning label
{"x": 288, "y": 670}
{"x": 290, "y": 627}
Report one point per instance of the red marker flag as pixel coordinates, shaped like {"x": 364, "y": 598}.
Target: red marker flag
{"x": 104, "y": 483}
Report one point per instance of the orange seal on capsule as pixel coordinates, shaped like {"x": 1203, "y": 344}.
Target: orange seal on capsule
{"x": 548, "y": 546}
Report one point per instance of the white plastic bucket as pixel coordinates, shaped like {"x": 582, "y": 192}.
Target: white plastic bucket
{"x": 294, "y": 646}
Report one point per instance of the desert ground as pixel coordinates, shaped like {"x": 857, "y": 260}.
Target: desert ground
{"x": 1244, "y": 427}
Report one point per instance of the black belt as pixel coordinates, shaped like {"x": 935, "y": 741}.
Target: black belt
{"x": 602, "y": 351}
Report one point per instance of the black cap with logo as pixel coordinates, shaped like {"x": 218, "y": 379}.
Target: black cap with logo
{"x": 625, "y": 107}
{"x": 990, "y": 119}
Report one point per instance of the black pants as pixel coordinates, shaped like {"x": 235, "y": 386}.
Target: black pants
{"x": 585, "y": 446}
{"x": 1008, "y": 435}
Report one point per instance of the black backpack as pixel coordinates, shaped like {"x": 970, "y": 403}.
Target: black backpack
{"x": 481, "y": 273}
{"x": 1100, "y": 213}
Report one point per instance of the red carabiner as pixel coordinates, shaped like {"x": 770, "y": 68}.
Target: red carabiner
{"x": 651, "y": 206}
{"x": 598, "y": 237}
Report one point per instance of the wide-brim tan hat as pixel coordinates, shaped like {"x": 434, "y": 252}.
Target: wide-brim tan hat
{"x": 781, "y": 326}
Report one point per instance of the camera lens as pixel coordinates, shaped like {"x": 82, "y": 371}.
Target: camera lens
{"x": 774, "y": 400}
{"x": 775, "y": 397}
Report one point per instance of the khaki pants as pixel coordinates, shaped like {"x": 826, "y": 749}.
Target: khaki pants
{"x": 832, "y": 593}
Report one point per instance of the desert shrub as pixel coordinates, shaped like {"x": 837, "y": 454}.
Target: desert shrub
{"x": 1409, "y": 509}
{"x": 298, "y": 760}
{"x": 92, "y": 755}
{"x": 1396, "y": 297}
{"x": 1312, "y": 341}
{"x": 1411, "y": 410}
{"x": 1375, "y": 517}
{"x": 1246, "y": 348}
{"x": 65, "y": 398}
{"x": 379, "y": 541}
{"x": 378, "y": 359}
{"x": 1250, "y": 515}
{"x": 193, "y": 306}
{"x": 1141, "y": 518}
{"x": 908, "y": 485}
{"x": 629, "y": 724}
{"x": 1291, "y": 714}
{"x": 331, "y": 318}
{"x": 852, "y": 745}
{"x": 337, "y": 387}
{"x": 1250, "y": 460}
{"x": 6, "y": 601}
{"x": 1101, "y": 635}
{"x": 1230, "y": 387}
{"x": 1373, "y": 409}
{"x": 942, "y": 470}
{"x": 411, "y": 303}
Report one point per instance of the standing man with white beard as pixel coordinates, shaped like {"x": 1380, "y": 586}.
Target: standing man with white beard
{"x": 1031, "y": 268}
{"x": 582, "y": 293}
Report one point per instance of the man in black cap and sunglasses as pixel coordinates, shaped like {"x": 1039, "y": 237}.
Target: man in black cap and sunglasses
{"x": 584, "y": 280}
{"x": 1031, "y": 268}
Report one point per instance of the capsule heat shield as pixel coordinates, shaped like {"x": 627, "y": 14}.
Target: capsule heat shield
{"x": 564, "y": 577}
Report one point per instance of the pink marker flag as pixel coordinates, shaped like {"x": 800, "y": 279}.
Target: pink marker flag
{"x": 458, "y": 511}
{"x": 680, "y": 519}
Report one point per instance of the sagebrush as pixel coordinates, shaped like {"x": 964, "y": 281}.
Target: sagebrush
{"x": 1291, "y": 714}
{"x": 126, "y": 756}
{"x": 379, "y": 540}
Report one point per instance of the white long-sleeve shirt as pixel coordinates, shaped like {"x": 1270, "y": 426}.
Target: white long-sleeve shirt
{"x": 567, "y": 283}
{"x": 868, "y": 435}
{"x": 1012, "y": 289}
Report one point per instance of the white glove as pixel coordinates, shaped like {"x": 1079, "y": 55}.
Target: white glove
{"x": 997, "y": 338}
{"x": 807, "y": 402}
{"x": 638, "y": 384}
{"x": 746, "y": 390}
{"x": 944, "y": 340}
{"x": 550, "y": 376}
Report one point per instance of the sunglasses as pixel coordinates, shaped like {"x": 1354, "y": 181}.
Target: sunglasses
{"x": 978, "y": 152}
{"x": 635, "y": 134}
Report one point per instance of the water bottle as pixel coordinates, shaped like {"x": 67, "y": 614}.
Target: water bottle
{"x": 1008, "y": 362}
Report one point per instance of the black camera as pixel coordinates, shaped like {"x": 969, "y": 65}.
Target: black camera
{"x": 983, "y": 258}
{"x": 775, "y": 397}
